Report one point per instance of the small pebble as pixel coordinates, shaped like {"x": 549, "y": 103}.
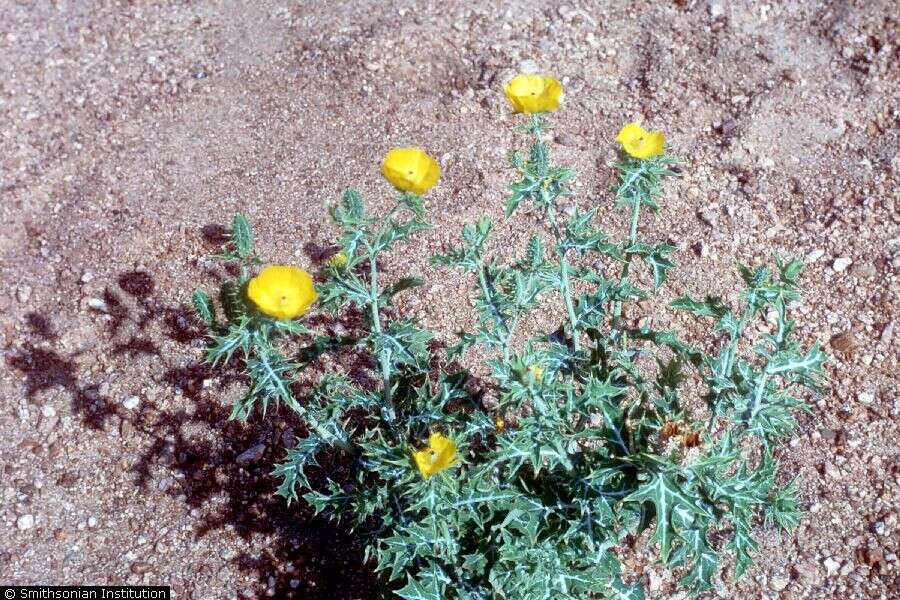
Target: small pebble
{"x": 97, "y": 304}
{"x": 25, "y": 522}
{"x": 131, "y": 402}
{"x": 528, "y": 66}
{"x": 840, "y": 264}
{"x": 23, "y": 293}
{"x": 843, "y": 342}
{"x": 779, "y": 582}
{"x": 814, "y": 255}
{"x": 564, "y": 139}
{"x": 864, "y": 270}
{"x": 831, "y": 566}
{"x": 709, "y": 214}
{"x": 251, "y": 455}
{"x": 140, "y": 567}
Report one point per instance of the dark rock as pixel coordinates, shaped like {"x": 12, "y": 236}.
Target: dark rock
{"x": 564, "y": 139}
{"x": 251, "y": 455}
{"x": 843, "y": 342}
{"x": 140, "y": 567}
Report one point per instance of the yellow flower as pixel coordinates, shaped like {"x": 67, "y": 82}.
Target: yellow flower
{"x": 440, "y": 454}
{"x": 640, "y": 143}
{"x": 534, "y": 93}
{"x": 499, "y": 424}
{"x": 536, "y": 372}
{"x": 338, "y": 260}
{"x": 282, "y": 292}
{"x": 410, "y": 170}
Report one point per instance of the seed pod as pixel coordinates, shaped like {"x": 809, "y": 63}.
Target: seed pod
{"x": 670, "y": 429}
{"x": 691, "y": 439}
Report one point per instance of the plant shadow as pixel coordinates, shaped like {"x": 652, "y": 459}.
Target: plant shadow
{"x": 189, "y": 448}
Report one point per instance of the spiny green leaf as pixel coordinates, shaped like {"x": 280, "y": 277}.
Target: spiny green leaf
{"x": 231, "y": 294}
{"x": 292, "y": 470}
{"x": 539, "y": 159}
{"x": 790, "y": 270}
{"x": 350, "y": 211}
{"x": 711, "y": 306}
{"x": 666, "y": 495}
{"x": 204, "y": 307}
{"x": 405, "y": 283}
{"x": 242, "y": 235}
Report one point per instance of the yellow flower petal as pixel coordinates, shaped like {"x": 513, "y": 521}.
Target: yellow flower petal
{"x": 439, "y": 455}
{"x": 533, "y": 93}
{"x": 640, "y": 143}
{"x": 410, "y": 170}
{"x": 282, "y": 292}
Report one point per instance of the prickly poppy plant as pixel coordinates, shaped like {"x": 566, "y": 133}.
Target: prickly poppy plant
{"x": 529, "y": 483}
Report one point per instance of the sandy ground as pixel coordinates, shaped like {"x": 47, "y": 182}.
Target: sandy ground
{"x": 128, "y": 130}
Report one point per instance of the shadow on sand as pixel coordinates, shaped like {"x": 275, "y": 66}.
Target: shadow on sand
{"x": 308, "y": 557}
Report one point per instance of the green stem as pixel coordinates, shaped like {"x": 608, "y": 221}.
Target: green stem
{"x": 265, "y": 352}
{"x": 739, "y": 331}
{"x": 384, "y": 357}
{"x": 754, "y": 406}
{"x": 566, "y": 287}
{"x": 732, "y": 345}
{"x": 632, "y": 239}
{"x": 536, "y": 126}
{"x": 312, "y": 422}
{"x": 499, "y": 317}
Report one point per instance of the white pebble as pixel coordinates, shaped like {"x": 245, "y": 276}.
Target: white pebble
{"x": 23, "y": 293}
{"x": 866, "y": 397}
{"x": 528, "y": 66}
{"x": 814, "y": 255}
{"x": 96, "y": 304}
{"x": 48, "y": 411}
{"x": 131, "y": 402}
{"x": 841, "y": 263}
{"x": 25, "y": 522}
